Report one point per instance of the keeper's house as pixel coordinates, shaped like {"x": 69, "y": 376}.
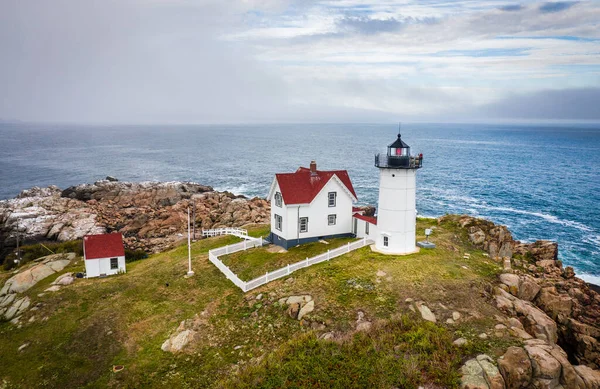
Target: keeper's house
{"x": 104, "y": 254}
{"x": 309, "y": 205}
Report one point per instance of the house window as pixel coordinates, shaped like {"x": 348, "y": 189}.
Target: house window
{"x": 278, "y": 222}
{"x": 114, "y": 263}
{"x": 385, "y": 241}
{"x": 331, "y": 219}
{"x": 367, "y": 228}
{"x": 278, "y": 198}
{"x": 303, "y": 224}
{"x": 332, "y": 197}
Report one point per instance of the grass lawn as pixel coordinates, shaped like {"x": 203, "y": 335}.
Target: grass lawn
{"x": 78, "y": 333}
{"x": 255, "y": 262}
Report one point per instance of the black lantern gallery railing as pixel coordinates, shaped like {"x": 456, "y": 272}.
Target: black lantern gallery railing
{"x": 398, "y": 162}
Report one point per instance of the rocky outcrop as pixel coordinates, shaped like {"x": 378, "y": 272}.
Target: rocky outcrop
{"x": 151, "y": 215}
{"x": 11, "y": 304}
{"x": 551, "y": 302}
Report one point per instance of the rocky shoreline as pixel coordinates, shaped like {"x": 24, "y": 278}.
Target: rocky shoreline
{"x": 554, "y": 313}
{"x": 152, "y": 216}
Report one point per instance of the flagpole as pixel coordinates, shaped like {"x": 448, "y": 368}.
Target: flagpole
{"x": 190, "y": 272}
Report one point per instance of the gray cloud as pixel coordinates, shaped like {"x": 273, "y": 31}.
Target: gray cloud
{"x": 556, "y": 6}
{"x": 565, "y": 104}
{"x": 512, "y": 8}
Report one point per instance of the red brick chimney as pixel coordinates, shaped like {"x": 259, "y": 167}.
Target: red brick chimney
{"x": 313, "y": 168}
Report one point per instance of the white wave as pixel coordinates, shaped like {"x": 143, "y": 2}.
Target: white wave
{"x": 547, "y": 217}
{"x": 590, "y": 278}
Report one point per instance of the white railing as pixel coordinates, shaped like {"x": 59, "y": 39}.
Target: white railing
{"x": 225, "y": 231}
{"x": 213, "y": 256}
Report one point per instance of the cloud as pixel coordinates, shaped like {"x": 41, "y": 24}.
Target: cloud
{"x": 185, "y": 61}
{"x": 512, "y": 7}
{"x": 557, "y": 6}
{"x": 565, "y": 104}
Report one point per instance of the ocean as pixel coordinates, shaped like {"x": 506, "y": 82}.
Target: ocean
{"x": 542, "y": 181}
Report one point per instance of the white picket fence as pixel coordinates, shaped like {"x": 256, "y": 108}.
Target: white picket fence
{"x": 213, "y": 256}
{"x": 239, "y": 232}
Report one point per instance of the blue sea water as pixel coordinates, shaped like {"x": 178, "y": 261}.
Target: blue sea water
{"x": 542, "y": 181}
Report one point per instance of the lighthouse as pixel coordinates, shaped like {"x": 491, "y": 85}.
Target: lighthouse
{"x": 396, "y": 214}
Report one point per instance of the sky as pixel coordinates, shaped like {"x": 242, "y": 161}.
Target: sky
{"x": 253, "y": 61}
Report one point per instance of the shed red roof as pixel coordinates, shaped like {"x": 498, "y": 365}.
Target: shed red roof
{"x": 301, "y": 187}
{"x": 103, "y": 246}
{"x": 368, "y": 219}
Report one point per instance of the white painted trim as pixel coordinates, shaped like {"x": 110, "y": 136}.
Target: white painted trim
{"x": 272, "y": 189}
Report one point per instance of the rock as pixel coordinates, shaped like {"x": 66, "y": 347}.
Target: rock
{"x": 569, "y": 272}
{"x": 364, "y": 326}
{"x": 590, "y": 377}
{"x": 520, "y": 333}
{"x": 259, "y": 296}
{"x": 17, "y": 308}
{"x": 307, "y": 308}
{"x": 528, "y": 290}
{"x": 53, "y": 288}
{"x": 293, "y": 310}
{"x": 514, "y": 322}
{"x": 426, "y": 313}
{"x": 569, "y": 377}
{"x": 483, "y": 335}
{"x": 491, "y": 373}
{"x": 178, "y": 342}
{"x": 460, "y": 342}
{"x": 298, "y": 299}
{"x": 545, "y": 366}
{"x": 500, "y": 327}
{"x": 327, "y": 336}
{"x": 551, "y": 302}
{"x": 515, "y": 367}
{"x": 472, "y": 376}
{"x": 449, "y": 321}
{"x": 512, "y": 281}
{"x": 23, "y": 346}
{"x": 111, "y": 179}
{"x": 381, "y": 273}
{"x": 455, "y": 316}
{"x": 149, "y": 214}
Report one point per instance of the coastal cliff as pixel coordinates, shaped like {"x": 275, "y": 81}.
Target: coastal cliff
{"x": 150, "y": 215}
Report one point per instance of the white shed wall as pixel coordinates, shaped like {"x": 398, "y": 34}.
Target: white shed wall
{"x": 96, "y": 267}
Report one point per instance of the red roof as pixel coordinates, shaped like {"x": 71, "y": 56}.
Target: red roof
{"x": 103, "y": 246}
{"x": 368, "y": 219}
{"x": 301, "y": 187}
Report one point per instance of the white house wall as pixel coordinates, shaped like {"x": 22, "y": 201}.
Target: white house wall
{"x": 96, "y": 267}
{"x": 281, "y": 211}
{"x": 361, "y": 230}
{"x": 318, "y": 211}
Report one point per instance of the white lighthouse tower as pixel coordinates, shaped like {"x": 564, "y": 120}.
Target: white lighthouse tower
{"x": 396, "y": 213}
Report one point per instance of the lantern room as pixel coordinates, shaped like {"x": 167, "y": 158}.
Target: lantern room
{"x": 398, "y": 157}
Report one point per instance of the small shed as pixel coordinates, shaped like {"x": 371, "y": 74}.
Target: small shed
{"x": 104, "y": 254}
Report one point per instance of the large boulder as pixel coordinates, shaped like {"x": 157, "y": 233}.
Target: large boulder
{"x": 516, "y": 368}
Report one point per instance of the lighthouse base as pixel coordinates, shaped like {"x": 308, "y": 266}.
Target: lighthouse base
{"x": 388, "y": 252}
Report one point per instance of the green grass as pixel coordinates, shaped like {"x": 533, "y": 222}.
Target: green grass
{"x": 256, "y": 262}
{"x": 400, "y": 353}
{"x": 81, "y": 331}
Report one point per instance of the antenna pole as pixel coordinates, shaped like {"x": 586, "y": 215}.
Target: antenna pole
{"x": 190, "y": 272}
{"x": 18, "y": 250}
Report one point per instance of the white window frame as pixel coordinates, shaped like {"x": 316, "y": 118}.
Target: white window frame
{"x": 278, "y": 222}
{"x": 386, "y": 241}
{"x": 303, "y": 220}
{"x": 332, "y": 199}
{"x": 278, "y": 199}
{"x": 116, "y": 263}
{"x": 331, "y": 220}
